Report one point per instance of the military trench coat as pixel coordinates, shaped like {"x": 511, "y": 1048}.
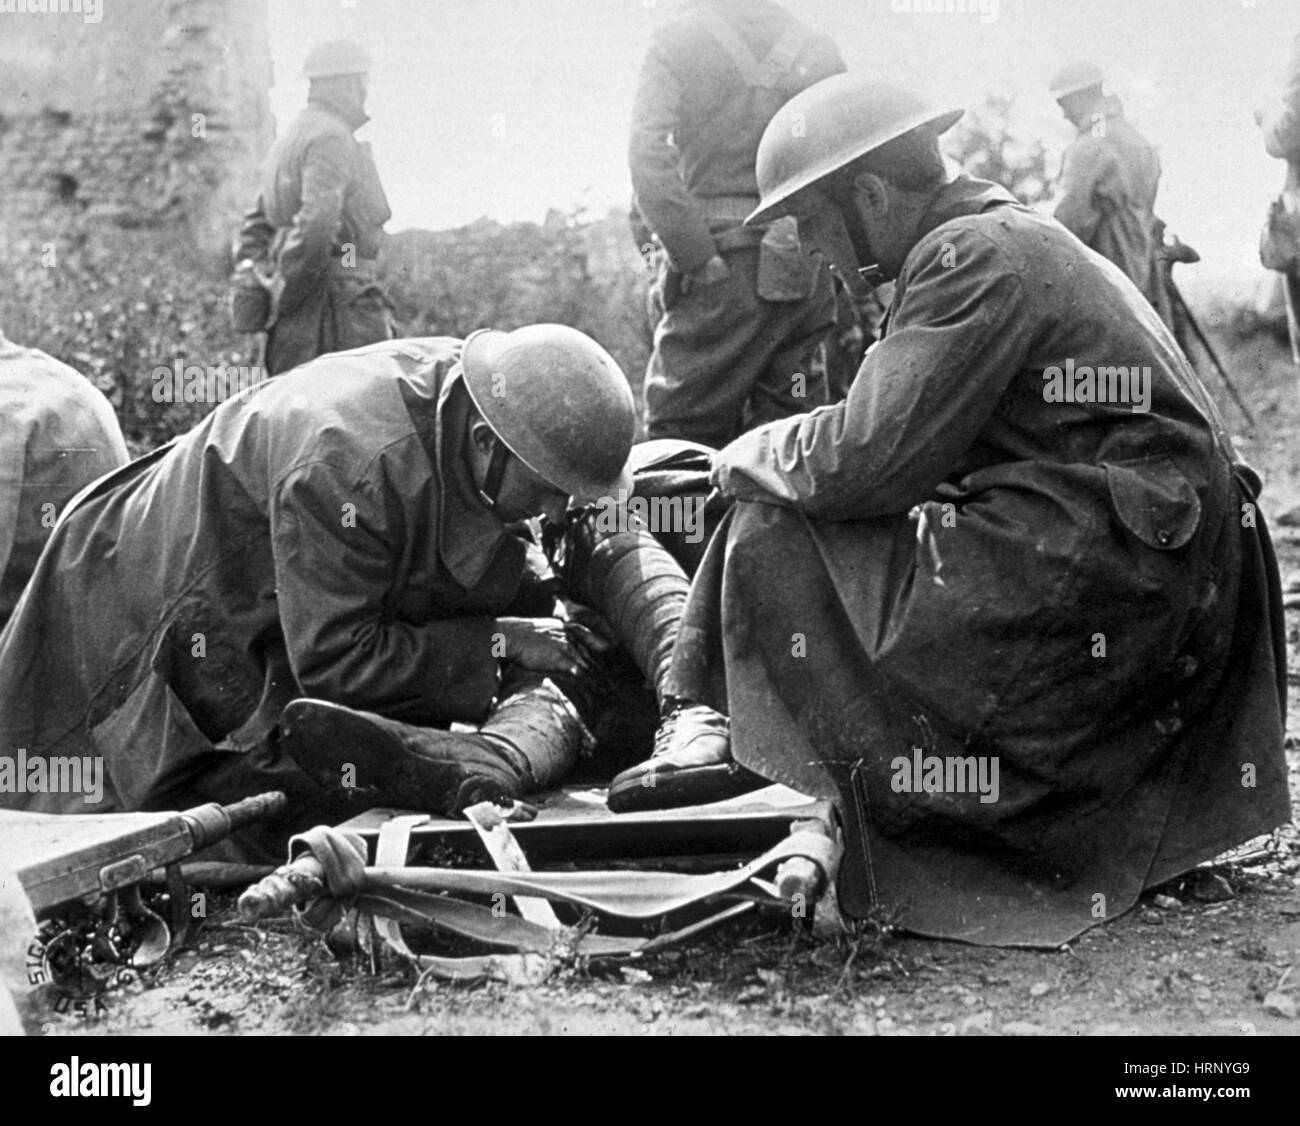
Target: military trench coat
{"x": 317, "y": 227}
{"x": 957, "y": 564}
{"x": 316, "y": 535}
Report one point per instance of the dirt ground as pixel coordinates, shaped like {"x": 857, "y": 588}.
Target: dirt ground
{"x": 1203, "y": 956}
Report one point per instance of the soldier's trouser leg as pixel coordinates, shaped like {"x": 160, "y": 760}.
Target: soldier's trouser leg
{"x": 298, "y": 336}
{"x": 641, "y": 590}
{"x": 341, "y": 313}
{"x": 713, "y": 345}
{"x": 358, "y": 315}
{"x": 637, "y": 585}
{"x": 792, "y": 382}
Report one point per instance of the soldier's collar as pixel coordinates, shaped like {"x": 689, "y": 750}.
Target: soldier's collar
{"x": 965, "y": 195}
{"x": 1108, "y": 106}
{"x": 352, "y": 117}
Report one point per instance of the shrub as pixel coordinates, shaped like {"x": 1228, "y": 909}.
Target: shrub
{"x": 115, "y": 304}
{"x": 986, "y": 144}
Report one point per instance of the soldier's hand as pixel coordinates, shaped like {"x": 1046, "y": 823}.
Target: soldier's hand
{"x": 588, "y": 629}
{"x": 540, "y": 644}
{"x": 712, "y": 272}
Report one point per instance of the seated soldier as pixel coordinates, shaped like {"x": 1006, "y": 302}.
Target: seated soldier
{"x": 57, "y": 434}
{"x": 349, "y": 534}
{"x": 1011, "y": 604}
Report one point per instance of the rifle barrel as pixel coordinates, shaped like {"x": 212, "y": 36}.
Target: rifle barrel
{"x": 1209, "y": 351}
{"x": 210, "y": 823}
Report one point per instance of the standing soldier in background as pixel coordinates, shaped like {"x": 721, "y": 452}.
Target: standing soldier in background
{"x": 1109, "y": 178}
{"x": 312, "y": 238}
{"x": 743, "y": 309}
{"x": 1280, "y": 246}
{"x": 57, "y": 434}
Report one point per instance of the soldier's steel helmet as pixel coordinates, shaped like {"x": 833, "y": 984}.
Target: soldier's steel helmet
{"x": 336, "y": 57}
{"x": 559, "y": 402}
{"x": 1076, "y": 76}
{"x": 830, "y": 125}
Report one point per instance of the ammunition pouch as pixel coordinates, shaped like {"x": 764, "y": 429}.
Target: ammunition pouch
{"x": 785, "y": 272}
{"x": 250, "y": 304}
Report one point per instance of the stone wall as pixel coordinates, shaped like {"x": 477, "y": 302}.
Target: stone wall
{"x": 153, "y": 115}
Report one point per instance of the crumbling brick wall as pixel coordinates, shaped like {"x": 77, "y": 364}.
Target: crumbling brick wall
{"x": 155, "y": 114}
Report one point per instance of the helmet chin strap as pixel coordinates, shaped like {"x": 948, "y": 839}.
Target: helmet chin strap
{"x": 495, "y": 471}
{"x": 844, "y": 234}
{"x": 870, "y": 275}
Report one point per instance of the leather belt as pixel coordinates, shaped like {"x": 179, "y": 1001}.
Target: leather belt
{"x": 738, "y": 238}
{"x": 728, "y": 208}
{"x": 725, "y": 214}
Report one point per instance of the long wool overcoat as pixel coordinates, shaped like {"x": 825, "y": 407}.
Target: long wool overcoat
{"x": 316, "y": 535}
{"x": 974, "y": 561}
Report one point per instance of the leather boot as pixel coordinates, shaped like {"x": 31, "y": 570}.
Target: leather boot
{"x": 530, "y": 741}
{"x": 691, "y": 765}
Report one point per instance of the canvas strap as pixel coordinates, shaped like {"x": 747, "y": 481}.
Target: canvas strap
{"x": 534, "y": 941}
{"x": 775, "y": 68}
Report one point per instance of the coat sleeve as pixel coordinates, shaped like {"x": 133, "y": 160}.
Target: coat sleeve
{"x": 668, "y": 207}
{"x": 327, "y": 170}
{"x": 958, "y": 337}
{"x": 334, "y": 567}
{"x": 1087, "y": 177}
{"x": 1281, "y": 124}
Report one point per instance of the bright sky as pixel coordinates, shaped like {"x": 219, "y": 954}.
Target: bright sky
{"x": 506, "y": 108}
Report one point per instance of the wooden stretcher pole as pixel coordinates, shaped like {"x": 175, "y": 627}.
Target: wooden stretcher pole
{"x": 800, "y": 880}
{"x": 288, "y": 886}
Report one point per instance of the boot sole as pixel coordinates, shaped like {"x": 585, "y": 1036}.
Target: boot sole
{"x": 672, "y": 789}
{"x": 326, "y": 739}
